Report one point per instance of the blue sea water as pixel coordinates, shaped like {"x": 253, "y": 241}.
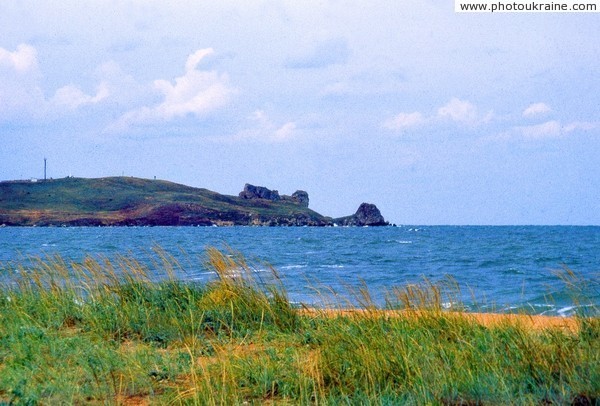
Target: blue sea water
{"x": 500, "y": 268}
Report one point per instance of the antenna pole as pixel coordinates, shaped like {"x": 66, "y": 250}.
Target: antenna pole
{"x": 44, "y": 168}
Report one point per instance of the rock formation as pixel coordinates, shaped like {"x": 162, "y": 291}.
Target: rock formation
{"x": 259, "y": 192}
{"x": 300, "y": 197}
{"x": 367, "y": 215}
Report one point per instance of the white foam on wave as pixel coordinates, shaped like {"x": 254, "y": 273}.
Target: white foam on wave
{"x": 205, "y": 273}
{"x": 566, "y": 311}
{"x": 293, "y": 267}
{"x": 231, "y": 273}
{"x": 399, "y": 241}
{"x": 195, "y": 278}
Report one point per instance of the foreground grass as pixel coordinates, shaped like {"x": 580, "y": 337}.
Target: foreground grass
{"x": 102, "y": 332}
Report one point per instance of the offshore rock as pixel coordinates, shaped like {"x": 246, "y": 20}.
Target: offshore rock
{"x": 259, "y": 192}
{"x": 367, "y": 215}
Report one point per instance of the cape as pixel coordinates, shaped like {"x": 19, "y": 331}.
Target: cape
{"x": 129, "y": 201}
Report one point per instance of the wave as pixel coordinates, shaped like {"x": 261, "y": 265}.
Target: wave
{"x": 512, "y": 271}
{"x": 500, "y": 265}
{"x": 286, "y": 267}
{"x": 544, "y": 309}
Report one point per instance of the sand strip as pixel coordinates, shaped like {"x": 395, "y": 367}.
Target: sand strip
{"x": 536, "y": 322}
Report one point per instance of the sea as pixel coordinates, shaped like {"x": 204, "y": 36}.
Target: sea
{"x": 551, "y": 270}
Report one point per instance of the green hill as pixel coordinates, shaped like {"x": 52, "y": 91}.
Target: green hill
{"x": 134, "y": 201}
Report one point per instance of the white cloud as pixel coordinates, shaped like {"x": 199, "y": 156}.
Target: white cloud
{"x": 20, "y": 92}
{"x": 536, "y": 109}
{"x": 285, "y": 132}
{"x": 553, "y": 128}
{"x": 266, "y": 130}
{"x": 194, "y": 59}
{"x": 261, "y": 117}
{"x": 197, "y": 92}
{"x": 72, "y": 97}
{"x": 461, "y": 111}
{"x": 122, "y": 87}
{"x": 22, "y": 60}
{"x": 581, "y": 126}
{"x": 456, "y": 110}
{"x": 404, "y": 120}
{"x": 549, "y": 129}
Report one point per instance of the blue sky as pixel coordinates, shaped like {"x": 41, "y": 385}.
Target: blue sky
{"x": 436, "y": 117}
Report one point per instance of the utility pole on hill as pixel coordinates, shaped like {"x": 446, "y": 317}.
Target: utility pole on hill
{"x": 44, "y": 168}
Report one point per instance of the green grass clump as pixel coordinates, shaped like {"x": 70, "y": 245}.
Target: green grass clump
{"x": 101, "y": 331}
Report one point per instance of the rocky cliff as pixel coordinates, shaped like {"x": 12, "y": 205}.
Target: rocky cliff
{"x": 367, "y": 215}
{"x": 259, "y": 192}
{"x": 252, "y": 192}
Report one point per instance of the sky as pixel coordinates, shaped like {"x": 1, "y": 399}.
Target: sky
{"x": 437, "y": 117}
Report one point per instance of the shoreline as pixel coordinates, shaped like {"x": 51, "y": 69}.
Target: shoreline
{"x": 532, "y": 322}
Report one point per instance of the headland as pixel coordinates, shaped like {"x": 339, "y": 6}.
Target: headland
{"x": 129, "y": 201}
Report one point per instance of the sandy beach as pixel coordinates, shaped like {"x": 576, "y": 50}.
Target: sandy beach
{"x": 536, "y": 322}
{"x": 532, "y": 321}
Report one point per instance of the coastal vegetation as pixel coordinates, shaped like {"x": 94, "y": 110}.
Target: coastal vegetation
{"x": 128, "y": 201}
{"x": 102, "y": 331}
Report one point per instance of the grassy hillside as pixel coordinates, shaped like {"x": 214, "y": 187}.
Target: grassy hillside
{"x": 135, "y": 201}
